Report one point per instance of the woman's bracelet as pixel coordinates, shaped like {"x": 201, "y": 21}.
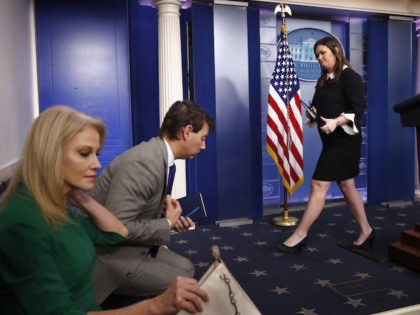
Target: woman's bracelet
{"x": 337, "y": 122}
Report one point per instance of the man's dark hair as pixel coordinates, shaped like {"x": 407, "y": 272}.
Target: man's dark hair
{"x": 181, "y": 114}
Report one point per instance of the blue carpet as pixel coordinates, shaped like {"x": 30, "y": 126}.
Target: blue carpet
{"x": 324, "y": 278}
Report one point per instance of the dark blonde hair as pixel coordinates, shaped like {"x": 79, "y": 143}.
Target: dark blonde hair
{"x": 334, "y": 45}
{"x": 41, "y": 166}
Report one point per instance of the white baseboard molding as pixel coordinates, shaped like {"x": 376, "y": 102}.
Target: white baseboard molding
{"x": 233, "y": 222}
{"x": 397, "y": 203}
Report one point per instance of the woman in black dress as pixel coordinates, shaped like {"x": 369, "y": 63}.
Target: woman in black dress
{"x": 340, "y": 101}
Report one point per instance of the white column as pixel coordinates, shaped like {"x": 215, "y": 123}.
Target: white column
{"x": 170, "y": 71}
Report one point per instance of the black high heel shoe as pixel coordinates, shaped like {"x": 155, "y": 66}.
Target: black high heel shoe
{"x": 369, "y": 240}
{"x": 295, "y": 248}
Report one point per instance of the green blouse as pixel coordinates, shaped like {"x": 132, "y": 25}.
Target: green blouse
{"x": 45, "y": 271}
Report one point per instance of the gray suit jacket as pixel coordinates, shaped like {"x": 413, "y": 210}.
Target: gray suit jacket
{"x": 132, "y": 187}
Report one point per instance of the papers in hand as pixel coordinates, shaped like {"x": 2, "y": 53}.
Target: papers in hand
{"x": 314, "y": 116}
{"x": 193, "y": 207}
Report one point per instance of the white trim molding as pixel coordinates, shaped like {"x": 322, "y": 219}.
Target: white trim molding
{"x": 394, "y": 7}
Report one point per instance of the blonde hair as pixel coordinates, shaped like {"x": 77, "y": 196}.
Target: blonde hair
{"x": 41, "y": 167}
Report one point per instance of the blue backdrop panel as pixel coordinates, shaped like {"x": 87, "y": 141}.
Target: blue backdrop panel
{"x": 192, "y": 166}
{"x": 82, "y": 59}
{"x": 377, "y": 34}
{"x": 390, "y": 146}
{"x": 254, "y": 69}
{"x": 400, "y": 82}
{"x": 186, "y": 53}
{"x": 203, "y": 167}
{"x": 144, "y": 69}
{"x": 234, "y": 175}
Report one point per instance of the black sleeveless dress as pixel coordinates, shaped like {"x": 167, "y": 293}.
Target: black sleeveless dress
{"x": 340, "y": 155}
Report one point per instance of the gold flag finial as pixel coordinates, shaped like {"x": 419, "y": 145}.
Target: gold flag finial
{"x": 283, "y": 9}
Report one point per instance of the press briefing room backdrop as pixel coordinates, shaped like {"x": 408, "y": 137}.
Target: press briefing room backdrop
{"x": 101, "y": 57}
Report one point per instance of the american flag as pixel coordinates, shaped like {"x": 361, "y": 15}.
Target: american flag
{"x": 284, "y": 118}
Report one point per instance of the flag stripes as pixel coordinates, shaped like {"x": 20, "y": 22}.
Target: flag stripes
{"x": 284, "y": 119}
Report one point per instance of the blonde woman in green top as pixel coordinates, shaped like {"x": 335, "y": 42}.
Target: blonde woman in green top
{"x": 47, "y": 251}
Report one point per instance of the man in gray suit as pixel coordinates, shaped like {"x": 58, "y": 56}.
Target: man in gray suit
{"x": 134, "y": 188}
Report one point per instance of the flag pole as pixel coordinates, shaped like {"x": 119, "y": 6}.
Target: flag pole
{"x": 284, "y": 220}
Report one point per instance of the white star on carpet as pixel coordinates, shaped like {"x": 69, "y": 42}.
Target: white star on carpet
{"x": 297, "y": 267}
{"x": 322, "y": 235}
{"x": 260, "y": 243}
{"x": 202, "y": 264}
{"x": 246, "y": 234}
{"x": 363, "y": 275}
{"x": 311, "y": 249}
{"x": 334, "y": 261}
{"x": 351, "y": 232}
{"x": 355, "y": 302}
{"x": 215, "y": 238}
{"x": 280, "y": 291}
{"x": 399, "y": 269}
{"x": 182, "y": 241}
{"x": 324, "y": 283}
{"x": 226, "y": 247}
{"x": 278, "y": 254}
{"x": 241, "y": 259}
{"x": 258, "y": 273}
{"x": 306, "y": 311}
{"x": 191, "y": 252}
{"x": 397, "y": 294}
